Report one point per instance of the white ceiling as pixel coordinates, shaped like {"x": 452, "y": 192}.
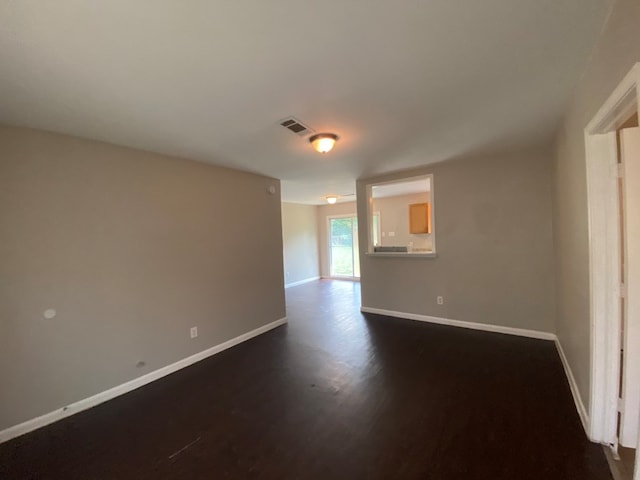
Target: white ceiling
{"x": 404, "y": 83}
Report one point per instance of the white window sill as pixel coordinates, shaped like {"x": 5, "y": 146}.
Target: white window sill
{"x": 401, "y": 254}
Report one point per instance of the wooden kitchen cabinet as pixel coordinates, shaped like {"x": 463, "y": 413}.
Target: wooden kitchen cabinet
{"x": 420, "y": 218}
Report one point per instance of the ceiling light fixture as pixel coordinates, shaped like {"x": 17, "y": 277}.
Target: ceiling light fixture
{"x": 323, "y": 142}
{"x": 331, "y": 199}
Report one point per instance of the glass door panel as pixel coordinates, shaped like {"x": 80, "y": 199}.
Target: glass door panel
{"x": 343, "y": 246}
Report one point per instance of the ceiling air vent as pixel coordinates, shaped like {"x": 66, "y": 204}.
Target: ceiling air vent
{"x": 296, "y": 126}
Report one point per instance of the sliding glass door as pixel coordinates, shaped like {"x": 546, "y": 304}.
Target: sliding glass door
{"x": 344, "y": 258}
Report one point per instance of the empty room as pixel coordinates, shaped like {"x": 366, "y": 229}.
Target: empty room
{"x": 342, "y": 240}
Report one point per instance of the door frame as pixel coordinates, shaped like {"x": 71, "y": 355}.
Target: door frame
{"x": 604, "y": 256}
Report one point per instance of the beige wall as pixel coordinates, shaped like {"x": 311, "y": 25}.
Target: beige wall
{"x": 323, "y": 212}
{"x": 300, "y": 240}
{"x": 394, "y": 217}
{"x": 494, "y": 260}
{"x": 131, "y": 249}
{"x": 617, "y": 50}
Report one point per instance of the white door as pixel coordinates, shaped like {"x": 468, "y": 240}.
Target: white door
{"x": 630, "y": 407}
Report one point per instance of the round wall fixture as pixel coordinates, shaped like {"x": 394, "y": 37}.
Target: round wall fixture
{"x": 323, "y": 142}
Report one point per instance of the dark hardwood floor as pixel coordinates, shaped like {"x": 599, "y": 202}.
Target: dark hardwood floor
{"x": 333, "y": 395}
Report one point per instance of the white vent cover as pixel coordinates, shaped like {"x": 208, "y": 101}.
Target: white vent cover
{"x": 296, "y": 126}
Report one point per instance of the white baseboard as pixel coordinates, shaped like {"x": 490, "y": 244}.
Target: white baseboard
{"x": 300, "y": 282}
{"x": 102, "y": 397}
{"x": 521, "y": 332}
{"x": 577, "y": 399}
{"x": 346, "y": 279}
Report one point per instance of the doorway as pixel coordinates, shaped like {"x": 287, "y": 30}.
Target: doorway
{"x": 344, "y": 255}
{"x": 628, "y": 151}
{"x": 613, "y": 182}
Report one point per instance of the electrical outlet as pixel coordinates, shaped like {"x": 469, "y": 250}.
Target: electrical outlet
{"x": 194, "y": 332}
{"x": 440, "y": 300}
{"x": 392, "y": 234}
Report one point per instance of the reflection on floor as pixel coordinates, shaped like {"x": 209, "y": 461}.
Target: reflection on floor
{"x": 333, "y": 395}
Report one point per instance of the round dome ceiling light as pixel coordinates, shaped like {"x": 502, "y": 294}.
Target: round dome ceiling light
{"x": 331, "y": 199}
{"x": 323, "y": 142}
